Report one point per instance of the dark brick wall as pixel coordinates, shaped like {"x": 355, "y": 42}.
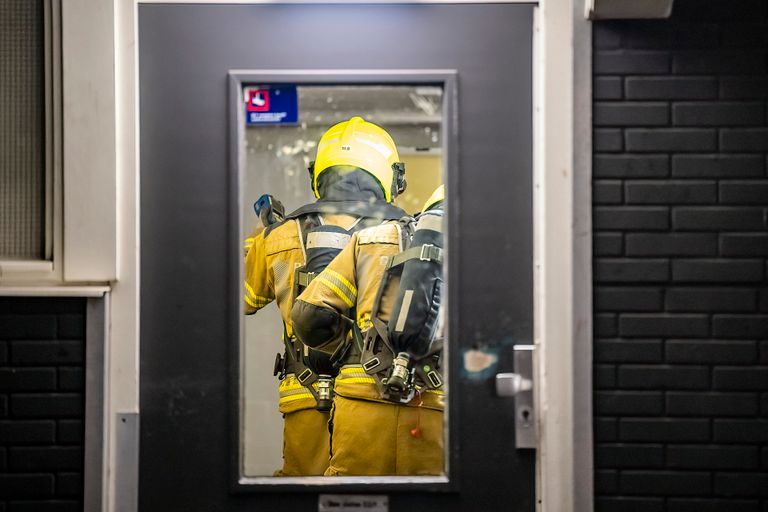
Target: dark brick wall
{"x": 41, "y": 404}
{"x": 680, "y": 192}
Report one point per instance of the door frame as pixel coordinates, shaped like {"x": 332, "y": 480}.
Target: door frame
{"x": 562, "y": 232}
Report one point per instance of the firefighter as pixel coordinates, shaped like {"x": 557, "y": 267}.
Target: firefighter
{"x": 355, "y": 177}
{"x": 387, "y": 417}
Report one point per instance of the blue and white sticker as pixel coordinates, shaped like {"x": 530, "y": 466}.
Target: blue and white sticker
{"x": 271, "y": 104}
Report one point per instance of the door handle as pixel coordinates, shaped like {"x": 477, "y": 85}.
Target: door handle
{"x": 519, "y": 386}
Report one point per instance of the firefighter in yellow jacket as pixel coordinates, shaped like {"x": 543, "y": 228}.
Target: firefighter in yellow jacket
{"x": 355, "y": 177}
{"x": 373, "y": 434}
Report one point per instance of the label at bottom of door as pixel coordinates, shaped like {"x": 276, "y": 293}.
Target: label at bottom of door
{"x": 352, "y": 503}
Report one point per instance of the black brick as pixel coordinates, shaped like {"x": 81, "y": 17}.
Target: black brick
{"x": 3, "y": 406}
{"x": 630, "y": 62}
{"x": 674, "y": 244}
{"x": 741, "y": 431}
{"x": 607, "y": 244}
{"x": 741, "y": 484}
{"x": 607, "y": 88}
{"x": 644, "y": 325}
{"x": 746, "y": 35}
{"x": 744, "y": 192}
{"x": 631, "y": 504}
{"x": 720, "y": 10}
{"x": 718, "y": 218}
{"x": 623, "y": 217}
{"x": 684, "y": 140}
{"x": 47, "y": 305}
{"x": 628, "y": 351}
{"x": 716, "y": 166}
{"x": 763, "y": 299}
{"x": 630, "y": 114}
{"x": 744, "y": 139}
{"x": 671, "y": 88}
{"x": 671, "y": 192}
{"x": 696, "y": 35}
{"x": 717, "y": 271}
{"x": 70, "y": 432}
{"x": 27, "y": 379}
{"x": 71, "y": 326}
{"x": 14, "y": 327}
{"x": 645, "y": 34}
{"x": 71, "y": 379}
{"x": 46, "y": 506}
{"x": 16, "y": 432}
{"x": 49, "y": 458}
{"x": 631, "y": 166}
{"x": 46, "y": 352}
{"x": 711, "y": 505}
{"x": 711, "y": 351}
{"x": 607, "y": 192}
{"x": 605, "y": 429}
{"x": 69, "y": 484}
{"x": 718, "y": 62}
{"x": 605, "y": 325}
{"x": 22, "y": 485}
{"x": 3, "y": 352}
{"x": 635, "y": 403}
{"x": 663, "y": 377}
{"x": 606, "y": 481}
{"x": 737, "y": 244}
{"x": 607, "y": 139}
{"x": 743, "y": 88}
{"x": 712, "y": 457}
{"x": 717, "y": 114}
{"x": 629, "y": 456}
{"x": 739, "y": 378}
{"x": 740, "y": 326}
{"x": 604, "y": 376}
{"x": 54, "y": 405}
{"x": 680, "y": 403}
{"x": 664, "y": 429}
{"x": 632, "y": 270}
{"x": 664, "y": 483}
{"x": 605, "y": 36}
{"x": 628, "y": 299}
{"x": 764, "y": 352}
{"x": 710, "y": 299}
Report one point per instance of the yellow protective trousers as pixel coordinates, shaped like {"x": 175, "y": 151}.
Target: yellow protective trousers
{"x": 376, "y": 438}
{"x": 306, "y": 443}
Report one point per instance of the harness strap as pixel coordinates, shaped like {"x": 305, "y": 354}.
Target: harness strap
{"x": 303, "y": 278}
{"x": 426, "y": 252}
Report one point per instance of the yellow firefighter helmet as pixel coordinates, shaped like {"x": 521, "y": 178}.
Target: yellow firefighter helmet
{"x": 361, "y": 144}
{"x": 438, "y": 196}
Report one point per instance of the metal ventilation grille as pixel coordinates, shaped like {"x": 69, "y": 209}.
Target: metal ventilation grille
{"x": 22, "y": 129}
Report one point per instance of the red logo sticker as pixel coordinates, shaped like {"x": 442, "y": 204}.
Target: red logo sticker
{"x": 258, "y": 100}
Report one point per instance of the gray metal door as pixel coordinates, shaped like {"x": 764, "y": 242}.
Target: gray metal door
{"x": 189, "y": 246}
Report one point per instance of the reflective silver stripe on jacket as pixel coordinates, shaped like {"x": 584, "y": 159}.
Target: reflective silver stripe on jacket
{"x": 433, "y": 222}
{"x": 324, "y": 239}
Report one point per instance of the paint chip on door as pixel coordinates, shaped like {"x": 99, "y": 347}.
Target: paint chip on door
{"x": 352, "y": 503}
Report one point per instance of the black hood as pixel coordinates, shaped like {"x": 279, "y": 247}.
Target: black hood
{"x": 347, "y": 183}
{"x": 350, "y": 190}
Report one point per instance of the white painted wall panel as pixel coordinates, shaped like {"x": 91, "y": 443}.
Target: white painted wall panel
{"x": 90, "y": 179}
